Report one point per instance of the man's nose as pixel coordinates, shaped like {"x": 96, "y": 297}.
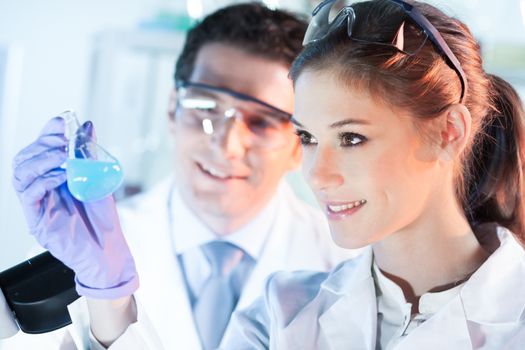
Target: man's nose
{"x": 232, "y": 137}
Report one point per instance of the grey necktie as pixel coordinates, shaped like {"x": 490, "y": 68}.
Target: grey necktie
{"x": 230, "y": 267}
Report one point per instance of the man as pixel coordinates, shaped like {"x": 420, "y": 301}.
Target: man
{"x": 233, "y": 144}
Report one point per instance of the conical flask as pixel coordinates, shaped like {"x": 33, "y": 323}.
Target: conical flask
{"x": 92, "y": 173}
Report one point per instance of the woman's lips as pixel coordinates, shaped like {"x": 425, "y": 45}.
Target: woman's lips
{"x": 340, "y": 210}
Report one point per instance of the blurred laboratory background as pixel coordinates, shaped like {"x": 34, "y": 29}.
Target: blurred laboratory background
{"x": 113, "y": 61}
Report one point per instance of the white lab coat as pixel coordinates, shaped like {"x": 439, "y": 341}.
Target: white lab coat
{"x": 338, "y": 311}
{"x": 299, "y": 239}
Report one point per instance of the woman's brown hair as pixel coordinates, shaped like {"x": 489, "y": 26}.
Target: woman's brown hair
{"x": 489, "y": 179}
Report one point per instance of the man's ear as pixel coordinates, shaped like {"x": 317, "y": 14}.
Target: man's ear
{"x": 172, "y": 106}
{"x": 455, "y": 131}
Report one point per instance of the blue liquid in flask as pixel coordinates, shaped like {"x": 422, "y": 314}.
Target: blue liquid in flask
{"x": 92, "y": 173}
{"x": 90, "y": 180}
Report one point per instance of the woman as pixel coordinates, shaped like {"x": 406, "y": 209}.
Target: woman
{"x": 411, "y": 148}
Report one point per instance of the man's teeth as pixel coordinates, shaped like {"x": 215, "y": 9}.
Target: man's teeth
{"x": 339, "y": 208}
{"x": 215, "y": 172}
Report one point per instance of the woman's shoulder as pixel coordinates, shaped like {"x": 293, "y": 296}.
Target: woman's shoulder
{"x": 306, "y": 282}
{"x": 287, "y": 293}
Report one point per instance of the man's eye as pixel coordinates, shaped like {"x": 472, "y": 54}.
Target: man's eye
{"x": 350, "y": 139}
{"x": 199, "y": 114}
{"x": 258, "y": 123}
{"x": 306, "y": 138}
{"x": 209, "y": 110}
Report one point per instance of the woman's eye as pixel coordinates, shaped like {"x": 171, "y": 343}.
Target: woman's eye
{"x": 306, "y": 138}
{"x": 350, "y": 139}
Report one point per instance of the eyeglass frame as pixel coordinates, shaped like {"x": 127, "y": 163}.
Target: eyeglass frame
{"x": 286, "y": 117}
{"x": 418, "y": 18}
{"x": 239, "y": 95}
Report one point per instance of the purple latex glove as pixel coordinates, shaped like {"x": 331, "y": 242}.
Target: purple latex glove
{"x": 85, "y": 236}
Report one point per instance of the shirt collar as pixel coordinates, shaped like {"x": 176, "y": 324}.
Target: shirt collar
{"x": 429, "y": 303}
{"x": 189, "y": 232}
{"x": 386, "y": 288}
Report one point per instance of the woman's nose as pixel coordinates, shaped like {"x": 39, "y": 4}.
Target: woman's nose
{"x": 321, "y": 170}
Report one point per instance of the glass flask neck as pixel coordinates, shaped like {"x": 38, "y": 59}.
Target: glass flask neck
{"x": 72, "y": 124}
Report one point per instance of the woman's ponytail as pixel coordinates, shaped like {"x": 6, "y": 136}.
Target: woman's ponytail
{"x": 495, "y": 180}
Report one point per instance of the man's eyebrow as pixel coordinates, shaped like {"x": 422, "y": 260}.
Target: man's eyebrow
{"x": 203, "y": 93}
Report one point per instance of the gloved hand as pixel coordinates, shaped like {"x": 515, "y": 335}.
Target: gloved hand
{"x": 85, "y": 236}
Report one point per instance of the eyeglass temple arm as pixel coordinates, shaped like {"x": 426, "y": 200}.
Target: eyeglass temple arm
{"x": 439, "y": 43}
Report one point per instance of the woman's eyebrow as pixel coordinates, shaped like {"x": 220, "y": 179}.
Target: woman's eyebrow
{"x": 349, "y": 121}
{"x": 337, "y": 124}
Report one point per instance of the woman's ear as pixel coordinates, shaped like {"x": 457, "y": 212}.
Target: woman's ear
{"x": 172, "y": 106}
{"x": 455, "y": 131}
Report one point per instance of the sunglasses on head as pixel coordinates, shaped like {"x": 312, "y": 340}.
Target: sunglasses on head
{"x": 330, "y": 15}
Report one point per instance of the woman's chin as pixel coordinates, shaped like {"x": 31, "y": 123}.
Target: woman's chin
{"x": 348, "y": 241}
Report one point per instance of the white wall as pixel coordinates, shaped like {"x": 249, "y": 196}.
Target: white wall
{"x": 53, "y": 39}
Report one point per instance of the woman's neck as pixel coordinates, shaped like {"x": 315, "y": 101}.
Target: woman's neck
{"x": 437, "y": 251}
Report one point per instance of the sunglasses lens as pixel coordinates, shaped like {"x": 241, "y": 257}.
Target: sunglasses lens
{"x": 408, "y": 38}
{"x": 396, "y": 30}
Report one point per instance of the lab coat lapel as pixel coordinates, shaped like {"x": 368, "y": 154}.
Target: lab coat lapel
{"x": 351, "y": 321}
{"x": 167, "y": 303}
{"x": 491, "y": 302}
{"x": 497, "y": 285}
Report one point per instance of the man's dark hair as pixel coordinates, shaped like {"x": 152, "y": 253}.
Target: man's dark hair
{"x": 272, "y": 34}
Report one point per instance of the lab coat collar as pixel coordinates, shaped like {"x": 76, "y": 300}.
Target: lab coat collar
{"x": 493, "y": 295}
{"x": 491, "y": 284}
{"x": 340, "y": 281}
{"x": 353, "y": 315}
{"x": 497, "y": 284}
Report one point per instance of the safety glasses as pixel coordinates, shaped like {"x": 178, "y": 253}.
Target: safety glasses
{"x": 210, "y": 110}
{"x": 332, "y": 14}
